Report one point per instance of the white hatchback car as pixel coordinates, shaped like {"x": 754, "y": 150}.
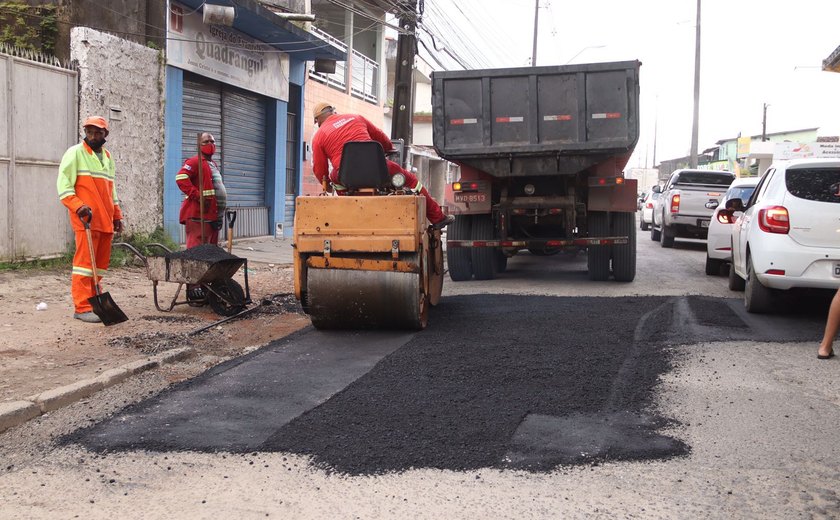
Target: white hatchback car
{"x": 647, "y": 210}
{"x": 719, "y": 243}
{"x": 789, "y": 233}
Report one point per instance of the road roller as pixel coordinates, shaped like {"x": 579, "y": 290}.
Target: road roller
{"x": 366, "y": 259}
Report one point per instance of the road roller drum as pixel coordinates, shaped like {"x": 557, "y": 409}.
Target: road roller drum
{"x": 366, "y": 260}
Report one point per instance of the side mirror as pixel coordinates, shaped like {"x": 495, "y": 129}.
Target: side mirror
{"x": 735, "y": 205}
{"x": 657, "y": 189}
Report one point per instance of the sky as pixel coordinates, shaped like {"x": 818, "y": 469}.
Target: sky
{"x": 752, "y": 52}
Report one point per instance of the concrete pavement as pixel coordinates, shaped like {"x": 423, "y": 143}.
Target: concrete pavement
{"x": 265, "y": 250}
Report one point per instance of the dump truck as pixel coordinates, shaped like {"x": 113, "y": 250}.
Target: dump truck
{"x": 368, "y": 259}
{"x": 541, "y": 152}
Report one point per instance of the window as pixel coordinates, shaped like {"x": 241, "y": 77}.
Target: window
{"x": 705, "y": 177}
{"x": 817, "y": 184}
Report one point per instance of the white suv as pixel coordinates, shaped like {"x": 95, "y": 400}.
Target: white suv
{"x": 789, "y": 233}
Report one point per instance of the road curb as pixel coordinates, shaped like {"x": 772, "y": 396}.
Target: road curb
{"x": 15, "y": 413}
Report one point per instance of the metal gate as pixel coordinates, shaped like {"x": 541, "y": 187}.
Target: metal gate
{"x": 238, "y": 120}
{"x": 38, "y": 122}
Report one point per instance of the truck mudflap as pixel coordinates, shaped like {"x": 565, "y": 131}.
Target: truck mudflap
{"x": 576, "y": 242}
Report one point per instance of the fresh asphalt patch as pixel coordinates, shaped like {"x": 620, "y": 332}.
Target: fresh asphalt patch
{"x": 495, "y": 381}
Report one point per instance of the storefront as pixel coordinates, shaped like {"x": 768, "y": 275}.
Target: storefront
{"x": 249, "y": 95}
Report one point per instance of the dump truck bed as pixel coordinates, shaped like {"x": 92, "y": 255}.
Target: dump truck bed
{"x": 536, "y": 120}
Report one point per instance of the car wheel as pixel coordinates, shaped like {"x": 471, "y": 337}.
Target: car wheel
{"x": 736, "y": 283}
{"x": 644, "y": 225}
{"x": 757, "y": 298}
{"x": 655, "y": 234}
{"x": 713, "y": 266}
{"x": 667, "y": 236}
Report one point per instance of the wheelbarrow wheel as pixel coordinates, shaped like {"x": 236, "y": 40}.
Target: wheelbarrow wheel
{"x": 227, "y": 297}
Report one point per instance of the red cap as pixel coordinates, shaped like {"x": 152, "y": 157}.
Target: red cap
{"x": 97, "y": 121}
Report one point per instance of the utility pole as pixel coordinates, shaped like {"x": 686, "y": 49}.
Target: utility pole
{"x": 536, "y": 26}
{"x": 403, "y": 110}
{"x": 764, "y": 123}
{"x": 696, "y": 124}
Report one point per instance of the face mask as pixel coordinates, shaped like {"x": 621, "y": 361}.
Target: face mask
{"x": 95, "y": 145}
{"x": 208, "y": 149}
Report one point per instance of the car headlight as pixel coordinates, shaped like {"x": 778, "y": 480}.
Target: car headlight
{"x": 529, "y": 189}
{"x": 398, "y": 180}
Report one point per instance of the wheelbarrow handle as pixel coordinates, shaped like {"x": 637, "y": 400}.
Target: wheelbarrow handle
{"x": 134, "y": 250}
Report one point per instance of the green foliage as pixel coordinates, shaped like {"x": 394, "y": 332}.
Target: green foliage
{"x": 30, "y": 27}
{"x": 60, "y": 262}
{"x": 121, "y": 257}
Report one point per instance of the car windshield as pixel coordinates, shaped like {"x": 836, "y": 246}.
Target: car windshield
{"x": 741, "y": 192}
{"x": 818, "y": 184}
{"x": 714, "y": 178}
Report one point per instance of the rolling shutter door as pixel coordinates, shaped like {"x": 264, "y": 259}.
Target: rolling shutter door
{"x": 202, "y": 113}
{"x": 243, "y": 163}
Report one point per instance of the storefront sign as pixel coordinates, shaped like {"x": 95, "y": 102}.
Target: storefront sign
{"x": 743, "y": 146}
{"x": 788, "y": 150}
{"x": 225, "y": 54}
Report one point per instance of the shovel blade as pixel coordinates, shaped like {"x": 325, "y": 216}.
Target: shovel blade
{"x": 106, "y": 308}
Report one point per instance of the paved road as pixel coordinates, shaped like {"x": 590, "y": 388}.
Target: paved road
{"x": 540, "y": 394}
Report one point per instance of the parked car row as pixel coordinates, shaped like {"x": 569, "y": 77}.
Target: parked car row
{"x": 774, "y": 233}
{"x": 787, "y": 233}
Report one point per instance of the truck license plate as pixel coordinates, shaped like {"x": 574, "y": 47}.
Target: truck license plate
{"x": 837, "y": 269}
{"x": 470, "y": 197}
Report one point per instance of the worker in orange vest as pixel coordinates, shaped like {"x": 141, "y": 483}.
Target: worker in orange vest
{"x": 86, "y": 186}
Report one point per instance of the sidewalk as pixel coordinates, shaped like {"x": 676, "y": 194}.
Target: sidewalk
{"x": 266, "y": 250}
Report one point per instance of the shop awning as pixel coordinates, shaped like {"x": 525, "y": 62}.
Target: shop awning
{"x": 260, "y": 23}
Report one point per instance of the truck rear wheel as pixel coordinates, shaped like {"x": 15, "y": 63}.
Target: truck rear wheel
{"x": 483, "y": 258}
{"x": 458, "y": 259}
{"x": 501, "y": 262}
{"x": 598, "y": 257}
{"x": 624, "y": 255}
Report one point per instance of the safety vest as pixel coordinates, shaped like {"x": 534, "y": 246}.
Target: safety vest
{"x": 85, "y": 180}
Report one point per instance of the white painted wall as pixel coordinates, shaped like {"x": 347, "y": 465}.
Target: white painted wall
{"x": 124, "y": 82}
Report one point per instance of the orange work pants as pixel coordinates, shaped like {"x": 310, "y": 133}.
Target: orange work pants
{"x": 81, "y": 281}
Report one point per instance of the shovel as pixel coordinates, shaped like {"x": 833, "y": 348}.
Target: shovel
{"x": 103, "y": 305}
{"x": 231, "y": 218}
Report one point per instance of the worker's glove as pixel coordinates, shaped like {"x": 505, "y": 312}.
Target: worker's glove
{"x": 216, "y": 225}
{"x": 193, "y": 196}
{"x": 118, "y": 226}
{"x": 84, "y": 213}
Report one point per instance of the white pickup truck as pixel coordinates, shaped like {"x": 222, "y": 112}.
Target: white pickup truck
{"x": 686, "y": 205}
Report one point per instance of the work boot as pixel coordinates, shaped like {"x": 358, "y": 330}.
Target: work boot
{"x": 87, "y": 317}
{"x": 449, "y": 219}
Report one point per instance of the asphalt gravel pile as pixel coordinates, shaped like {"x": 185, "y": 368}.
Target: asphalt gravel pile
{"x": 206, "y": 253}
{"x": 507, "y": 382}
{"x": 455, "y": 396}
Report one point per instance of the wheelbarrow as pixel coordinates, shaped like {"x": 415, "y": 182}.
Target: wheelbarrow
{"x": 207, "y": 266}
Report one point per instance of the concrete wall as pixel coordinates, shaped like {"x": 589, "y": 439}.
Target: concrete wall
{"x": 124, "y": 82}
